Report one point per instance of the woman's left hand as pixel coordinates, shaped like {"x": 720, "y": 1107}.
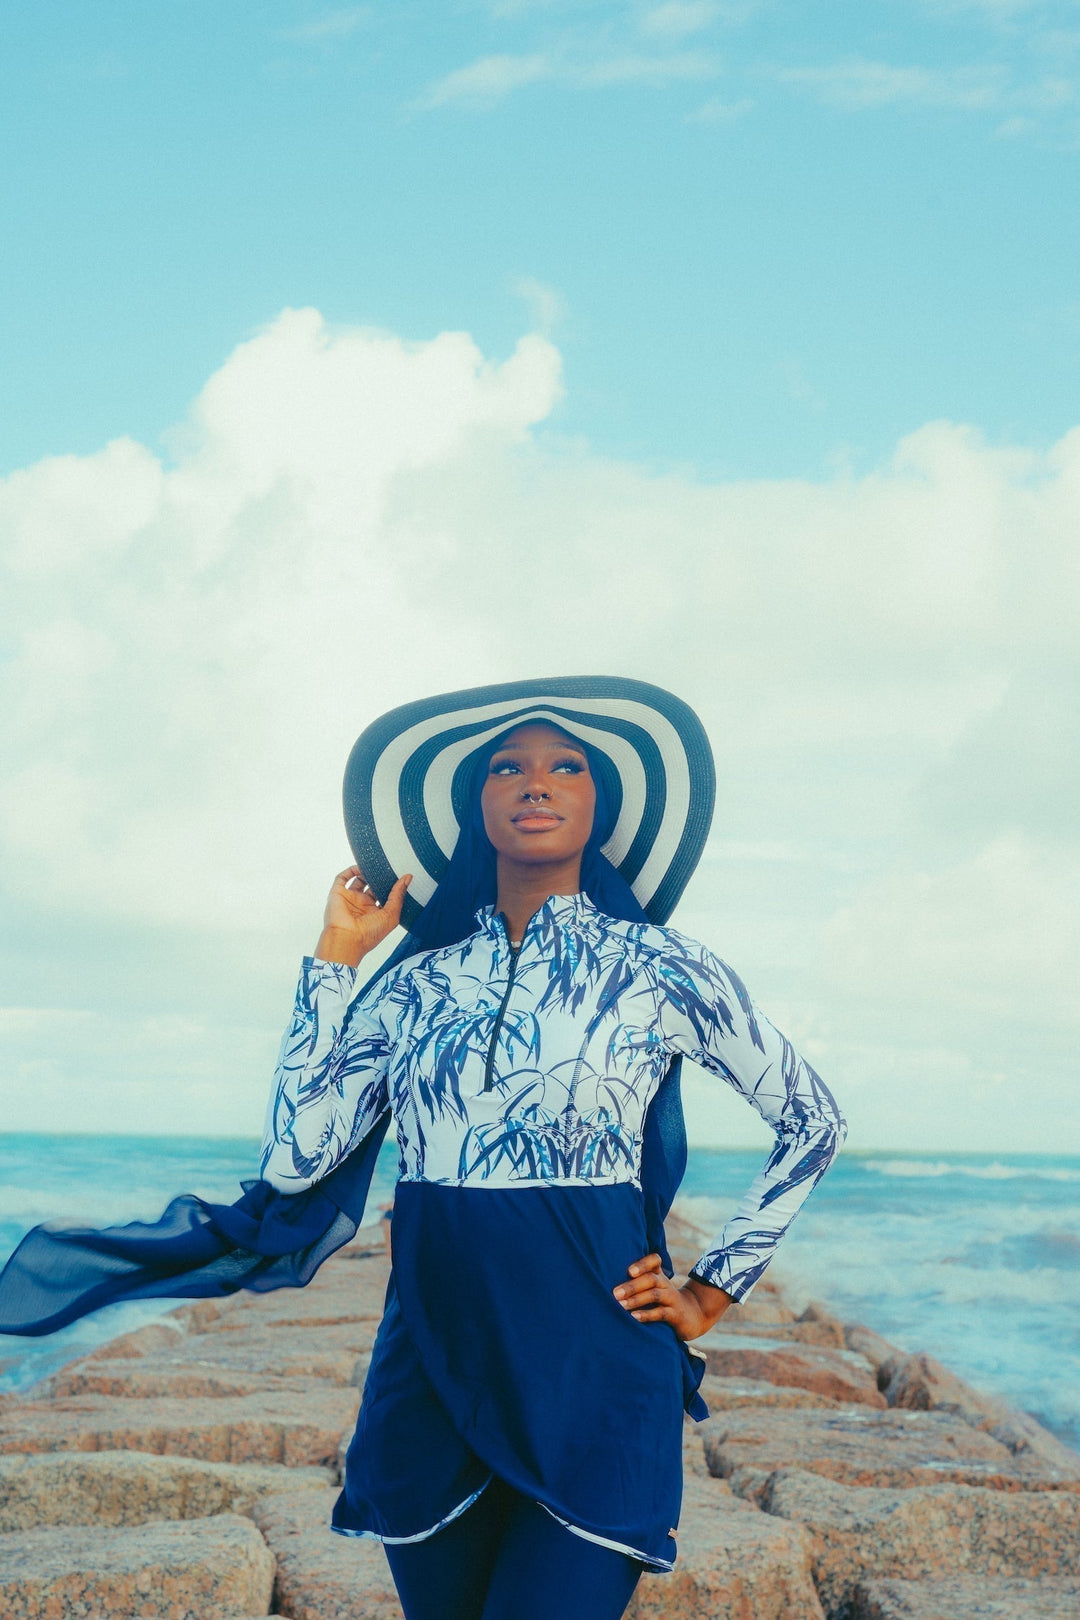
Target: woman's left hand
{"x": 651, "y": 1296}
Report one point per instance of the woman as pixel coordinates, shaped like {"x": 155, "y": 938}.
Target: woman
{"x": 518, "y": 1449}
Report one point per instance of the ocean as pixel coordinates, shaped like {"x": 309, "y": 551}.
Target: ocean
{"x": 973, "y": 1257}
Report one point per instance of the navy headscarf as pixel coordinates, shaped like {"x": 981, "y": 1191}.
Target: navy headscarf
{"x": 269, "y": 1239}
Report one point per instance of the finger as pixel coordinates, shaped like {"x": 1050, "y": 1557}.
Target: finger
{"x": 643, "y": 1292}
{"x": 643, "y": 1287}
{"x": 661, "y": 1313}
{"x": 649, "y": 1262}
{"x": 396, "y": 898}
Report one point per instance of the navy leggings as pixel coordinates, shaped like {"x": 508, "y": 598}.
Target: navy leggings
{"x": 506, "y": 1558}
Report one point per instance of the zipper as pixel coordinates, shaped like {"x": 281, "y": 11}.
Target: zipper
{"x": 489, "y": 1067}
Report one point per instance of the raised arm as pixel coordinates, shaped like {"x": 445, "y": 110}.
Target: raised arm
{"x": 705, "y": 1013}
{"x": 330, "y": 1084}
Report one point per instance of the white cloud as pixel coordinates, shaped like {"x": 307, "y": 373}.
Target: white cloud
{"x": 187, "y": 644}
{"x": 718, "y": 111}
{"x": 597, "y": 66}
{"x": 887, "y": 666}
{"x": 863, "y": 84}
{"x": 633, "y": 68}
{"x": 486, "y": 81}
{"x": 1000, "y": 928}
{"x": 675, "y": 19}
{"x": 337, "y": 24}
{"x": 546, "y": 306}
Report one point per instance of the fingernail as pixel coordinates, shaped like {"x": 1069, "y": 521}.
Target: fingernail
{"x": 619, "y": 1293}
{"x": 633, "y": 1271}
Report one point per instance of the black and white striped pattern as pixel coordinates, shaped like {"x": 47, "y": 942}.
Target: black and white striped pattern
{"x": 405, "y": 777}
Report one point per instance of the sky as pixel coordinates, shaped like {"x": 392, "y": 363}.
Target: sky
{"x": 354, "y": 354}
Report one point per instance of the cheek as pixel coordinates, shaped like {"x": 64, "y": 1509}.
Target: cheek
{"x": 586, "y": 803}
{"x": 493, "y": 803}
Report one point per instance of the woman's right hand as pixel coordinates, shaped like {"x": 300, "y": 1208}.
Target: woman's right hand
{"x": 354, "y": 922}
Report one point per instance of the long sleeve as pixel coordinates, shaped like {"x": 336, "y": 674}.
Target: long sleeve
{"x": 330, "y": 1084}
{"x": 705, "y": 1013}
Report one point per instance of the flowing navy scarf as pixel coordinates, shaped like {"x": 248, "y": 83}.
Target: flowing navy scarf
{"x": 269, "y": 1239}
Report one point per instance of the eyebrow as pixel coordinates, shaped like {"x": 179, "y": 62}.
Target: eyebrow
{"x": 549, "y": 748}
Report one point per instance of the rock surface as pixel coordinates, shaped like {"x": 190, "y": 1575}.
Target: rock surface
{"x": 729, "y": 1394}
{"x": 731, "y": 1563}
{"x": 299, "y": 1429}
{"x": 863, "y": 1532}
{"x": 962, "y": 1598}
{"x": 919, "y": 1383}
{"x": 129, "y": 1487}
{"x": 898, "y": 1449}
{"x": 149, "y": 1378}
{"x": 877, "y": 1350}
{"x": 321, "y": 1576}
{"x": 262, "y": 1357}
{"x": 202, "y": 1569}
{"x": 840, "y": 1374}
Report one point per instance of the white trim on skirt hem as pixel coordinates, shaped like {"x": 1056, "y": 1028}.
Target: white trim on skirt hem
{"x": 656, "y": 1565}
{"x": 421, "y": 1535}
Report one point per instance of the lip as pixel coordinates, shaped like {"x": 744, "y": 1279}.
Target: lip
{"x": 540, "y": 820}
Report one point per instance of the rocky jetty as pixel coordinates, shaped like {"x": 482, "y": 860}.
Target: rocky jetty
{"x": 186, "y": 1471}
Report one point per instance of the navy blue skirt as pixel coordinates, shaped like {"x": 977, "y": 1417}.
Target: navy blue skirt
{"x": 503, "y": 1351}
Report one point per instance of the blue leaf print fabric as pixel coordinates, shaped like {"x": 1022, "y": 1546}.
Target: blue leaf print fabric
{"x": 505, "y": 1073}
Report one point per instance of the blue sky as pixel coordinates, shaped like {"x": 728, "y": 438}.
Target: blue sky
{"x": 352, "y": 354}
{"x": 769, "y": 237}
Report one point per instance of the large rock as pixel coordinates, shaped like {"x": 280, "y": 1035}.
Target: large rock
{"x": 152, "y": 1339}
{"x": 240, "y": 1360}
{"x": 827, "y": 1334}
{"x": 841, "y": 1374}
{"x": 176, "y": 1378}
{"x": 297, "y": 1429}
{"x": 861, "y": 1447}
{"x": 878, "y": 1351}
{"x": 320, "y": 1575}
{"x": 729, "y": 1394}
{"x": 129, "y": 1487}
{"x": 965, "y": 1598}
{"x": 920, "y": 1383}
{"x": 731, "y": 1563}
{"x": 203, "y": 1569}
{"x": 248, "y": 1347}
{"x": 349, "y": 1287}
{"x": 925, "y": 1532}
{"x": 341, "y": 1291}
{"x": 829, "y": 1328}
{"x": 293, "y": 1352}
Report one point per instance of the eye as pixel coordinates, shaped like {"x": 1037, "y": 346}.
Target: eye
{"x": 574, "y": 766}
{"x": 504, "y": 767}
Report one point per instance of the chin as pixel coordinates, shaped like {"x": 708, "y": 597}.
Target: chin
{"x": 538, "y": 848}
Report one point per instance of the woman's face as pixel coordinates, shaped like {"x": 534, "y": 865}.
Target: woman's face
{"x": 538, "y": 796}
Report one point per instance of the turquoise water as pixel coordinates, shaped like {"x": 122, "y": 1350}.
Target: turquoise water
{"x": 975, "y": 1258}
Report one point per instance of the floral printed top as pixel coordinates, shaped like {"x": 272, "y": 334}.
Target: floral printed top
{"x": 506, "y": 1068}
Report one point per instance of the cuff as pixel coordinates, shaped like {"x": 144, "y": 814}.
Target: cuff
{"x": 737, "y": 1276}
{"x": 319, "y": 977}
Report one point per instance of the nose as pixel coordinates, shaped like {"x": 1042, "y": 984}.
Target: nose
{"x": 533, "y": 787}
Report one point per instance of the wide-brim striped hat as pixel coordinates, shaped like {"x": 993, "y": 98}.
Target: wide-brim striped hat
{"x": 407, "y": 779}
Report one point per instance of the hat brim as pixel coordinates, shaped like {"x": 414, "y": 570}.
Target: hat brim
{"x": 405, "y": 778}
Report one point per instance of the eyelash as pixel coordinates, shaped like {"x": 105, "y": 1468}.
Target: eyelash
{"x": 504, "y": 765}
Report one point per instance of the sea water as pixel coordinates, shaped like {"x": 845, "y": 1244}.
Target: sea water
{"x": 975, "y": 1258}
